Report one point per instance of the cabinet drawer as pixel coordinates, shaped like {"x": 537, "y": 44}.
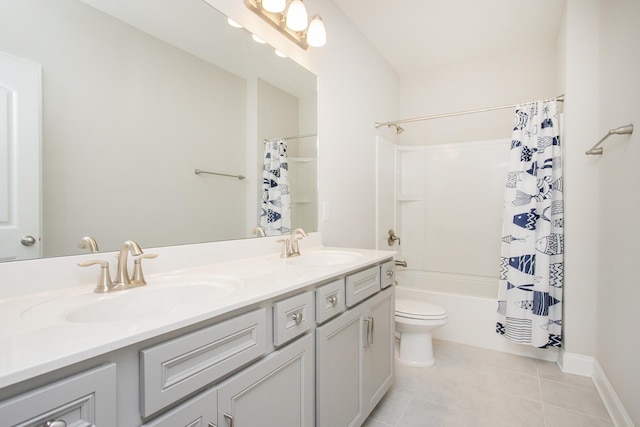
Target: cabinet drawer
{"x": 292, "y": 317}
{"x": 330, "y": 300}
{"x": 387, "y": 274}
{"x": 85, "y": 399}
{"x": 176, "y": 368}
{"x": 362, "y": 285}
{"x": 201, "y": 411}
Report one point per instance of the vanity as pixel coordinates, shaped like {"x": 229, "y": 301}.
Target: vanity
{"x": 222, "y": 335}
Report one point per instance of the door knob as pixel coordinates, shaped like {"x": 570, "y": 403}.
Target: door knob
{"x": 28, "y": 240}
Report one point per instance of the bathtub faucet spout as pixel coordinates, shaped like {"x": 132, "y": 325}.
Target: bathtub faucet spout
{"x": 401, "y": 263}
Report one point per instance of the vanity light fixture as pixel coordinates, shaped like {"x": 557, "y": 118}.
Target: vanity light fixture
{"x": 296, "y": 18}
{"x": 316, "y": 33}
{"x": 291, "y": 20}
{"x": 275, "y": 6}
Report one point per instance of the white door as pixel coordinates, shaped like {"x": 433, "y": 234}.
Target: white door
{"x": 385, "y": 191}
{"x": 20, "y": 97}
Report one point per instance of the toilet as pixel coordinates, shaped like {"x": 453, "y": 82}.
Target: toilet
{"x": 415, "y": 321}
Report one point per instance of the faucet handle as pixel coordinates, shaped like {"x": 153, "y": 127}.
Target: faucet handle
{"x": 138, "y": 277}
{"x": 104, "y": 281}
{"x": 296, "y": 235}
{"x": 286, "y": 248}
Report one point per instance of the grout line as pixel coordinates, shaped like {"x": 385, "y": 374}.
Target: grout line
{"x": 544, "y": 413}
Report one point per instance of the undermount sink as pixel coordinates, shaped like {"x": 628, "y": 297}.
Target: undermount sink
{"x": 163, "y": 296}
{"x": 324, "y": 258}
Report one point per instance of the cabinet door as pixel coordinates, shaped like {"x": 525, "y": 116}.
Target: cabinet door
{"x": 201, "y": 411}
{"x": 378, "y": 357}
{"x": 276, "y": 391}
{"x": 339, "y": 371}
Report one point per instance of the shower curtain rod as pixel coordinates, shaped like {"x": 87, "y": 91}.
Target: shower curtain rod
{"x": 286, "y": 138}
{"x": 395, "y": 123}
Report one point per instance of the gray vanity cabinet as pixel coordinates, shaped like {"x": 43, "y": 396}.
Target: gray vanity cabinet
{"x": 85, "y": 399}
{"x": 276, "y": 391}
{"x": 354, "y": 361}
{"x": 201, "y": 411}
{"x": 339, "y": 346}
{"x": 378, "y": 357}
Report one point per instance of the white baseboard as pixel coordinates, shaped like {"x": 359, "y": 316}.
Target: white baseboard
{"x": 576, "y": 364}
{"x": 617, "y": 412}
{"x": 588, "y": 366}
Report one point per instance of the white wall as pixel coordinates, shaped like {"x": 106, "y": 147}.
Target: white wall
{"x": 504, "y": 79}
{"x": 356, "y": 89}
{"x": 618, "y": 317}
{"x": 581, "y": 130}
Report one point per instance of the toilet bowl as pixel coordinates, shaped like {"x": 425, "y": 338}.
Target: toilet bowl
{"x": 415, "y": 321}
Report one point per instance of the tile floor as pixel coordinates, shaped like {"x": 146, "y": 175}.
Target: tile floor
{"x": 475, "y": 387}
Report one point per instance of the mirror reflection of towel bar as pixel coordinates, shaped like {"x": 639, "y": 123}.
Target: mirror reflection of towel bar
{"x": 198, "y": 172}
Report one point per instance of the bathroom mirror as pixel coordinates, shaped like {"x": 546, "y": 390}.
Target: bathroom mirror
{"x": 138, "y": 95}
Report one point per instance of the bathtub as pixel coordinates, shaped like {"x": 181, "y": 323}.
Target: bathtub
{"x": 471, "y": 304}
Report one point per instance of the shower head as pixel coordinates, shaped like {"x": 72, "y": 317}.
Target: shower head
{"x": 399, "y": 129}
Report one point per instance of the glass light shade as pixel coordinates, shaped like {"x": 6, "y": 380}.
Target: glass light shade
{"x": 275, "y": 6}
{"x": 257, "y": 39}
{"x": 297, "y": 18}
{"x": 316, "y": 34}
{"x": 280, "y": 54}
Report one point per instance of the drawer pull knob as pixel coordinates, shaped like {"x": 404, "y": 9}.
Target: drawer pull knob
{"x": 297, "y": 317}
{"x": 333, "y": 300}
{"x": 389, "y": 274}
{"x": 55, "y": 423}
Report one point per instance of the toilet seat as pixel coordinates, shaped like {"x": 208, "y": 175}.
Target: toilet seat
{"x": 419, "y": 310}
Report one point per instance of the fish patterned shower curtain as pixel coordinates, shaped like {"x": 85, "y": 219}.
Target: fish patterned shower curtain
{"x": 531, "y": 265}
{"x": 275, "y": 212}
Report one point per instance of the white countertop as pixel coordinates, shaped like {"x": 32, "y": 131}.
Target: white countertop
{"x": 35, "y": 339}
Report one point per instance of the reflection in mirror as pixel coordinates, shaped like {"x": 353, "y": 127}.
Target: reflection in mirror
{"x": 135, "y": 97}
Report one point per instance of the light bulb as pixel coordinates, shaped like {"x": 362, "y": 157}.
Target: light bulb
{"x": 275, "y": 6}
{"x": 297, "y": 18}
{"x": 316, "y": 34}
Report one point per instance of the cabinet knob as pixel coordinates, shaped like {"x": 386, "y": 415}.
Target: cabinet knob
{"x": 333, "y": 299}
{"x": 297, "y": 317}
{"x": 28, "y": 241}
{"x": 55, "y": 423}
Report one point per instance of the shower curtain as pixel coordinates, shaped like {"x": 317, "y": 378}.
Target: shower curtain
{"x": 275, "y": 212}
{"x": 531, "y": 266}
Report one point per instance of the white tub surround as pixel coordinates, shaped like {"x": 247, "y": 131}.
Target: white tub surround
{"x": 34, "y": 343}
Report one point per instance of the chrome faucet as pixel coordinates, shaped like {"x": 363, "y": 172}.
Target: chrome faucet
{"x": 122, "y": 272}
{"x": 295, "y": 248}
